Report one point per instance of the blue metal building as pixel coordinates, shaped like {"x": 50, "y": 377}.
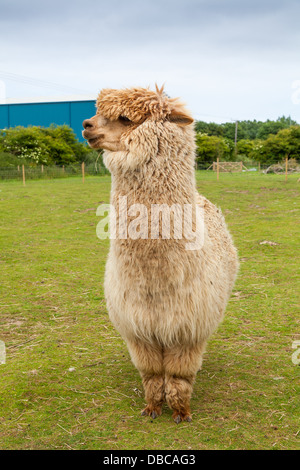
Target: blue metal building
{"x": 45, "y": 113}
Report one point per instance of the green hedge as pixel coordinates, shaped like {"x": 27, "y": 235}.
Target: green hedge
{"x": 55, "y": 145}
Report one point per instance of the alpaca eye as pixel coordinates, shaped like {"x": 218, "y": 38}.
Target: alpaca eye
{"x": 124, "y": 119}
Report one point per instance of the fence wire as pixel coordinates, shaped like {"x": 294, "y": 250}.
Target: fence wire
{"x": 97, "y": 169}
{"x": 51, "y": 172}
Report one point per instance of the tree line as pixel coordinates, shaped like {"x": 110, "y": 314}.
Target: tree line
{"x": 265, "y": 142}
{"x": 34, "y": 145}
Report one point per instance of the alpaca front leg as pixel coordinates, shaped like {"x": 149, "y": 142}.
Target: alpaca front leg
{"x": 148, "y": 359}
{"x": 181, "y": 364}
{"x": 178, "y": 392}
{"x": 154, "y": 386}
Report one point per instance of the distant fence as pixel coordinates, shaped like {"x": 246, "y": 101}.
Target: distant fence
{"x": 229, "y": 167}
{"x": 289, "y": 166}
{"x": 23, "y": 172}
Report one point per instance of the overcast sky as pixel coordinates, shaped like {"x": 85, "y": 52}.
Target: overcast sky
{"x": 227, "y": 59}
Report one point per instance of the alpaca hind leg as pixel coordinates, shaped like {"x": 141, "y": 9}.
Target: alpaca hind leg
{"x": 181, "y": 364}
{"x": 148, "y": 359}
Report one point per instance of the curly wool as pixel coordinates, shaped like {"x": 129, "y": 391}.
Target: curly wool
{"x": 156, "y": 290}
{"x": 137, "y": 104}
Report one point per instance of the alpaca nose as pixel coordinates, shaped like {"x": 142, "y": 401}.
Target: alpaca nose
{"x": 87, "y": 123}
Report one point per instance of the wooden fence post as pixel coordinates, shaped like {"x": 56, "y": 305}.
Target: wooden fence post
{"x": 286, "y": 166}
{"x": 42, "y": 168}
{"x": 82, "y": 169}
{"x": 218, "y": 168}
{"x": 23, "y": 173}
{"x": 259, "y": 167}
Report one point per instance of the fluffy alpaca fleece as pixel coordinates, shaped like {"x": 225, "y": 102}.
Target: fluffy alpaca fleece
{"x": 164, "y": 300}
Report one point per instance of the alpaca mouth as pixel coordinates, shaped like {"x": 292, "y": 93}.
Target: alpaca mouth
{"x": 90, "y": 136}
{"x": 94, "y": 142}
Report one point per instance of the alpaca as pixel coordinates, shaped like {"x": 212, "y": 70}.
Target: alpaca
{"x": 164, "y": 299}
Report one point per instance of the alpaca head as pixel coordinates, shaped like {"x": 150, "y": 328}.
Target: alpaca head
{"x": 121, "y": 112}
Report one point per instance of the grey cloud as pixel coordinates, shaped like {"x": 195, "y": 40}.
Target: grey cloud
{"x": 217, "y": 53}
{"x": 192, "y": 23}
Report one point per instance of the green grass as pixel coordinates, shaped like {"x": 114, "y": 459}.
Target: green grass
{"x": 68, "y": 382}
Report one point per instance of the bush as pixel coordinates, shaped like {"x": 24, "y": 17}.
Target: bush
{"x": 37, "y": 145}
{"x": 211, "y": 147}
{"x": 248, "y": 150}
{"x": 8, "y": 160}
{"x": 276, "y": 147}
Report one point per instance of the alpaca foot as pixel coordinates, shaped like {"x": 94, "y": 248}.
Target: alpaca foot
{"x": 151, "y": 410}
{"x": 179, "y": 416}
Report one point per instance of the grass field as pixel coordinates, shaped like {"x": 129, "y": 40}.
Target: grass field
{"x": 68, "y": 382}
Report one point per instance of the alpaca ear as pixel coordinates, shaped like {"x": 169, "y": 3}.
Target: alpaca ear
{"x": 180, "y": 118}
